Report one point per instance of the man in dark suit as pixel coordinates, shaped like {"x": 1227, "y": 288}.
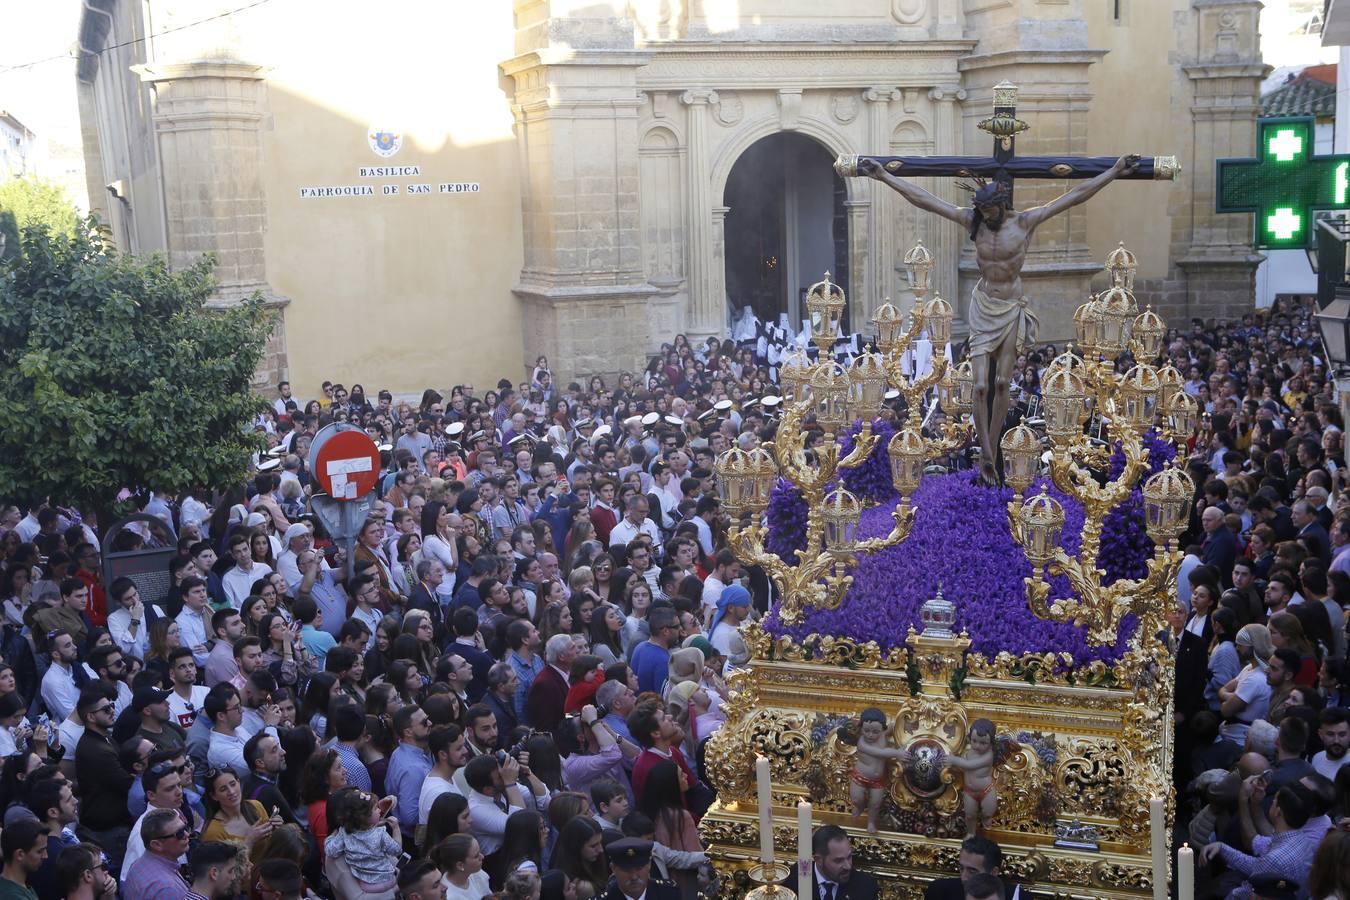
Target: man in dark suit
{"x": 430, "y": 573}
{"x": 832, "y": 874}
{"x": 979, "y": 856}
{"x": 1220, "y": 547}
{"x": 1311, "y": 532}
{"x": 630, "y": 862}
{"x": 548, "y": 693}
{"x": 502, "y": 681}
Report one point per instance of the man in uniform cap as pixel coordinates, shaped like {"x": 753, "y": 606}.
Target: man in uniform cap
{"x": 630, "y": 861}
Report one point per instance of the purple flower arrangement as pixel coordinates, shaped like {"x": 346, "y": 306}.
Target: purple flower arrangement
{"x": 786, "y": 516}
{"x": 872, "y": 479}
{"x": 961, "y": 541}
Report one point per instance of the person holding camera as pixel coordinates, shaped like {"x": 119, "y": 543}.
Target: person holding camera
{"x": 590, "y": 751}
{"x": 494, "y": 793}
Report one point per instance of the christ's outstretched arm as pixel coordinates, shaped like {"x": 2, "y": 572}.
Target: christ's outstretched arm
{"x": 1081, "y": 192}
{"x": 915, "y": 194}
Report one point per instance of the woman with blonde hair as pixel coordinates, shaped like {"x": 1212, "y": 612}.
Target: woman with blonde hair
{"x": 1286, "y": 633}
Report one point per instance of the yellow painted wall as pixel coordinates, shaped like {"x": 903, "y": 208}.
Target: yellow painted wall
{"x": 409, "y": 290}
{"x": 1131, "y": 113}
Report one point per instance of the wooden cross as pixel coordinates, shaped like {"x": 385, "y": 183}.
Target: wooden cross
{"x": 1005, "y": 166}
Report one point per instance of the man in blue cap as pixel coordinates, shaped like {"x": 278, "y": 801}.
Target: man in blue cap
{"x": 733, "y": 608}
{"x": 630, "y": 862}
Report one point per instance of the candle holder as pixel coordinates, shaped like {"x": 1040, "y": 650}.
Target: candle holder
{"x": 769, "y": 878}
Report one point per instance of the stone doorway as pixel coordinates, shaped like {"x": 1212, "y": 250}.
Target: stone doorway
{"x": 786, "y": 225}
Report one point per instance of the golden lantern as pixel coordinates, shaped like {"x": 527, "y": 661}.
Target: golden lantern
{"x": 794, "y": 374}
{"x": 1182, "y": 412}
{"x": 1063, "y": 399}
{"x": 1118, "y": 310}
{"x": 937, "y": 317}
{"x": 1067, "y": 360}
{"x": 919, "y": 265}
{"x": 763, "y": 473}
{"x": 1121, "y": 266}
{"x": 829, "y": 395}
{"x": 1139, "y": 397}
{"x": 867, "y": 387}
{"x": 889, "y": 323}
{"x": 841, "y": 514}
{"x": 825, "y": 304}
{"x": 1170, "y": 381}
{"x": 906, "y": 451}
{"x": 1167, "y": 505}
{"x": 1042, "y": 522}
{"x": 946, "y": 393}
{"x": 1021, "y": 455}
{"x": 1148, "y": 331}
{"x": 964, "y": 380}
{"x": 735, "y": 475}
{"x": 1086, "y": 324}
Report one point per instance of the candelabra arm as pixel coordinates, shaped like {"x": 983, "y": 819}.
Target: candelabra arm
{"x": 904, "y": 523}
{"x": 863, "y": 446}
{"x": 748, "y": 545}
{"x": 905, "y": 340}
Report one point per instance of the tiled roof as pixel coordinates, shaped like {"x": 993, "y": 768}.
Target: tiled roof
{"x": 1302, "y": 97}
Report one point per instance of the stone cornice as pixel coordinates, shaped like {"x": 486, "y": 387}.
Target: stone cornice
{"x": 201, "y": 68}
{"x": 1242, "y": 68}
{"x": 573, "y": 293}
{"x": 1076, "y": 57}
{"x": 566, "y": 56}
{"x": 761, "y": 67}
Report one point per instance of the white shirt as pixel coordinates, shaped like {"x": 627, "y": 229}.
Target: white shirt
{"x": 192, "y": 630}
{"x": 712, "y": 592}
{"x": 239, "y": 584}
{"x": 185, "y": 712}
{"x": 59, "y": 692}
{"x": 228, "y": 750}
{"x": 1327, "y": 767}
{"x": 435, "y": 548}
{"x": 70, "y": 732}
{"x": 119, "y": 626}
{"x": 488, "y": 821}
{"x": 432, "y": 787}
{"x": 1253, "y": 688}
{"x": 705, "y": 537}
{"x": 625, "y": 531}
{"x": 476, "y": 889}
{"x": 27, "y": 528}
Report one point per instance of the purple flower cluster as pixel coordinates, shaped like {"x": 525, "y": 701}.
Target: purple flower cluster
{"x": 872, "y": 479}
{"x": 786, "y": 514}
{"x": 1125, "y": 547}
{"x": 961, "y": 541}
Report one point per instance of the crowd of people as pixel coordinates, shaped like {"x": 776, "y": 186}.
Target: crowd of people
{"x": 508, "y": 689}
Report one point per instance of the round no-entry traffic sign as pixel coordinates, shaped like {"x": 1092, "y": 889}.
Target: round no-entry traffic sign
{"x": 347, "y": 464}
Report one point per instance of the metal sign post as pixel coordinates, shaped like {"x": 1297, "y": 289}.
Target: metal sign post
{"x": 342, "y": 519}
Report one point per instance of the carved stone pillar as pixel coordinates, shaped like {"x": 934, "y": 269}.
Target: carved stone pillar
{"x": 717, "y": 262}
{"x": 208, "y": 115}
{"x": 947, "y": 238}
{"x": 707, "y": 298}
{"x": 862, "y": 291}
{"x": 882, "y": 250}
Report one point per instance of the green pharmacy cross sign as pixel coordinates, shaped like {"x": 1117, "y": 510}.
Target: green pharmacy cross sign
{"x": 1284, "y": 184}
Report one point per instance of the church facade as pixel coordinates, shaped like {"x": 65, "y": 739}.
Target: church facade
{"x": 584, "y": 179}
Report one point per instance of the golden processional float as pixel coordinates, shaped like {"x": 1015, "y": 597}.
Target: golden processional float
{"x": 1078, "y": 788}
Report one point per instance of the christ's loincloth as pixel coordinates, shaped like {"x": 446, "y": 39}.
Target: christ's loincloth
{"x": 993, "y": 320}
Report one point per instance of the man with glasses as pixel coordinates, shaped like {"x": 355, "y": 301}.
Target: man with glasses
{"x": 279, "y": 879}
{"x": 104, "y": 784}
{"x": 409, "y": 765}
{"x": 163, "y": 792}
{"x": 225, "y": 710}
{"x": 109, "y": 665}
{"x": 82, "y": 874}
{"x": 156, "y": 874}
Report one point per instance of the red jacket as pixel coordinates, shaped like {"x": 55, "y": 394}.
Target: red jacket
{"x": 604, "y": 521}
{"x": 546, "y": 699}
{"x": 97, "y": 611}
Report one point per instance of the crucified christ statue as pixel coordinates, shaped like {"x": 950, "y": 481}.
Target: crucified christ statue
{"x": 1000, "y": 316}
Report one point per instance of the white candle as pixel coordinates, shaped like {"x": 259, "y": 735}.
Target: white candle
{"x": 1157, "y": 820}
{"x": 803, "y": 842}
{"x": 1185, "y": 873}
{"x": 764, "y": 784}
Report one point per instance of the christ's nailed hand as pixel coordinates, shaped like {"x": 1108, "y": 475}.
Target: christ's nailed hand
{"x": 869, "y": 168}
{"x": 1127, "y": 164}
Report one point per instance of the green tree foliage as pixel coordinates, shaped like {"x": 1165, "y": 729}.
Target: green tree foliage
{"x": 114, "y": 373}
{"x": 31, "y": 201}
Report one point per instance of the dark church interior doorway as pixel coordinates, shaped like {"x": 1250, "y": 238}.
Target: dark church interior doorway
{"x": 786, "y": 226}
